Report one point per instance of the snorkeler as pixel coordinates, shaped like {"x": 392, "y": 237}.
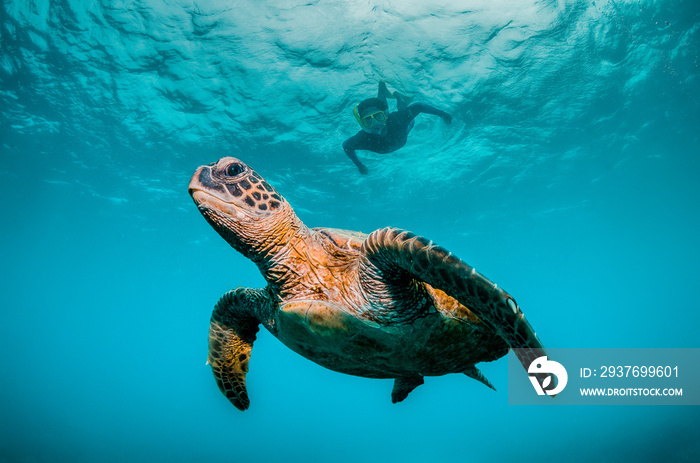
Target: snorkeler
{"x": 384, "y": 132}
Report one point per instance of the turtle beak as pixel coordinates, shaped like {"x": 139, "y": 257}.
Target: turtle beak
{"x": 202, "y": 181}
{"x": 202, "y": 173}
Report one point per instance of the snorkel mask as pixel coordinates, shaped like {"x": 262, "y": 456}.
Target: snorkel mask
{"x": 369, "y": 119}
{"x": 379, "y": 115}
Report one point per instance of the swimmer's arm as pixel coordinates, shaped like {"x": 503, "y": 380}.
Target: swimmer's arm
{"x": 417, "y": 108}
{"x": 350, "y": 151}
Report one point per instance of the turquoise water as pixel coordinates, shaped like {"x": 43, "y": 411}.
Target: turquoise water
{"x": 569, "y": 176}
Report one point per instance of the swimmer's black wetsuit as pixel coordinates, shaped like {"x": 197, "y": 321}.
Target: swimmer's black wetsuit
{"x": 398, "y": 125}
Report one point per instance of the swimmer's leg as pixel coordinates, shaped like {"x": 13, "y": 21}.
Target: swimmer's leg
{"x": 382, "y": 92}
{"x": 402, "y": 101}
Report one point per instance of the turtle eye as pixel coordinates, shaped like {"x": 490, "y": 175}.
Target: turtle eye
{"x": 234, "y": 170}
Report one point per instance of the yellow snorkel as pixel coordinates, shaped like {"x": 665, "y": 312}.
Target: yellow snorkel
{"x": 357, "y": 115}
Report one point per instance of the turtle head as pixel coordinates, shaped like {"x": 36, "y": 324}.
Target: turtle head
{"x": 241, "y": 206}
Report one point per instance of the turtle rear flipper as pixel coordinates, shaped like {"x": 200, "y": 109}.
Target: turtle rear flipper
{"x": 475, "y": 373}
{"x": 231, "y": 334}
{"x": 404, "y": 386}
{"x": 398, "y": 256}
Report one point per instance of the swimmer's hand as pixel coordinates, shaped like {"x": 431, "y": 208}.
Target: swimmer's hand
{"x": 447, "y": 118}
{"x": 363, "y": 169}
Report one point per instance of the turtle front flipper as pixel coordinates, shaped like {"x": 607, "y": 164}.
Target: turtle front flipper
{"x": 392, "y": 254}
{"x": 231, "y": 334}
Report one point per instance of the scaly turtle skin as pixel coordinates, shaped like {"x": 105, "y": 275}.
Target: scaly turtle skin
{"x": 390, "y": 304}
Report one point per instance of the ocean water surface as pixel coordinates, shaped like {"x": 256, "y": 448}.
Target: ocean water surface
{"x": 569, "y": 176}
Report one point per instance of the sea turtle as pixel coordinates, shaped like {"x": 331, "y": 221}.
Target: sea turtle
{"x": 390, "y": 304}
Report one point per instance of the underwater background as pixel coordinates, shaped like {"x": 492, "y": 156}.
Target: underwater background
{"x": 569, "y": 176}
